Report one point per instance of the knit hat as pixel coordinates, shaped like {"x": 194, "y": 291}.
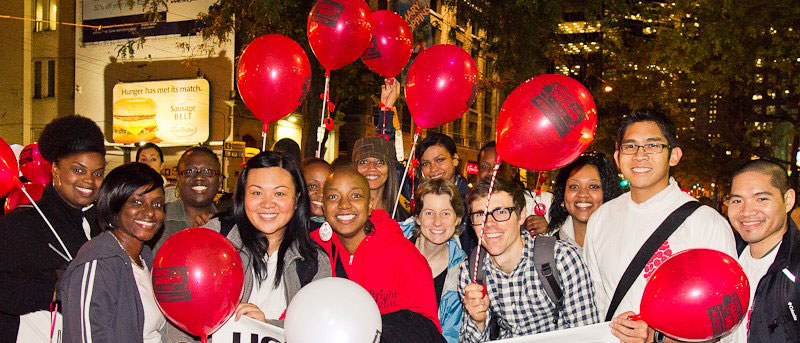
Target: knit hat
{"x": 376, "y": 147}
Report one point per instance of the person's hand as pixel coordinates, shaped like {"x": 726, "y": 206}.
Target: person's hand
{"x": 476, "y": 303}
{"x": 536, "y": 225}
{"x": 389, "y": 92}
{"x": 631, "y": 331}
{"x": 202, "y": 219}
{"x": 250, "y": 310}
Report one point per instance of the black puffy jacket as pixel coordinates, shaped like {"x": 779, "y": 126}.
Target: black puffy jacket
{"x": 776, "y": 307}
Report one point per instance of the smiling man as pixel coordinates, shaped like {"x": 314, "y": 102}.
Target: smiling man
{"x": 769, "y": 252}
{"x": 515, "y": 295}
{"x": 647, "y": 148}
{"x": 198, "y": 181}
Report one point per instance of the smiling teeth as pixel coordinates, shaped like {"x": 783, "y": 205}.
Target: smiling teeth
{"x": 493, "y": 235}
{"x": 144, "y": 223}
{"x": 346, "y": 217}
{"x": 268, "y": 215}
{"x": 199, "y": 188}
{"x": 640, "y": 170}
{"x": 583, "y": 204}
{"x": 317, "y": 203}
{"x": 371, "y": 177}
{"x": 84, "y": 190}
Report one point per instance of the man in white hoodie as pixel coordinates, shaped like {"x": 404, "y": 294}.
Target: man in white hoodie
{"x": 647, "y": 148}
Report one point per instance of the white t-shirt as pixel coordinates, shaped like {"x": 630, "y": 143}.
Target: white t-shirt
{"x": 567, "y": 232}
{"x": 755, "y": 269}
{"x": 620, "y": 227}
{"x": 153, "y": 318}
{"x": 270, "y": 300}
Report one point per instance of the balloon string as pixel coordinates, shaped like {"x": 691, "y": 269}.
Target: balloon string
{"x": 53, "y": 314}
{"x": 485, "y": 219}
{"x": 322, "y": 115}
{"x": 264, "y": 137}
{"x": 24, "y": 191}
{"x": 408, "y": 164}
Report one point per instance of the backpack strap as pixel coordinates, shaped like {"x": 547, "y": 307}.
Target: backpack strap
{"x": 545, "y": 264}
{"x": 659, "y": 236}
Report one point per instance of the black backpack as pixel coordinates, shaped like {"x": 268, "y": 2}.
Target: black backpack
{"x": 545, "y": 264}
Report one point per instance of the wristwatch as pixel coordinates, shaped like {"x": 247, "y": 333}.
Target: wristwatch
{"x": 658, "y": 337}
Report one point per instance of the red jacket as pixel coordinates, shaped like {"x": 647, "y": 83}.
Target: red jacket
{"x": 389, "y": 267}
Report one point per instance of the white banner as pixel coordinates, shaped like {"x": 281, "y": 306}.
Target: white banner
{"x": 247, "y": 330}
{"x": 597, "y": 333}
{"x": 35, "y": 327}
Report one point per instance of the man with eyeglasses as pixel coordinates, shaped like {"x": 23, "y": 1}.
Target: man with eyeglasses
{"x": 198, "y": 181}
{"x": 647, "y": 148}
{"x": 515, "y": 298}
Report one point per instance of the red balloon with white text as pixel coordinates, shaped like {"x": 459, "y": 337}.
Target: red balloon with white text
{"x": 33, "y": 166}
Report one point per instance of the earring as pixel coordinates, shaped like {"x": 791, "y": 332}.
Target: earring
{"x": 325, "y": 232}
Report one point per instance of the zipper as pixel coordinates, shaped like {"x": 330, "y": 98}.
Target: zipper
{"x": 351, "y": 260}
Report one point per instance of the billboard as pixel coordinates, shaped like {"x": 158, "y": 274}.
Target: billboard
{"x": 121, "y": 21}
{"x": 170, "y": 112}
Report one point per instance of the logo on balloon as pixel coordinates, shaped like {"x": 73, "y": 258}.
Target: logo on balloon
{"x": 327, "y": 12}
{"x": 474, "y": 96}
{"x": 726, "y": 315}
{"x": 171, "y": 284}
{"x": 372, "y": 51}
{"x": 560, "y": 108}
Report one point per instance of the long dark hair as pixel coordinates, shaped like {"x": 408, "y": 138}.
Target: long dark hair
{"x": 443, "y": 140}
{"x": 608, "y": 177}
{"x": 119, "y": 185}
{"x": 256, "y": 243}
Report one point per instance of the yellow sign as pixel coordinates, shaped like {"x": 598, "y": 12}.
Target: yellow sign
{"x": 173, "y": 111}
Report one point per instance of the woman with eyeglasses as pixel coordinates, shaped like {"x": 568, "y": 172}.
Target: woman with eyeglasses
{"x": 198, "y": 181}
{"x": 374, "y": 157}
{"x": 31, "y": 257}
{"x": 581, "y": 187}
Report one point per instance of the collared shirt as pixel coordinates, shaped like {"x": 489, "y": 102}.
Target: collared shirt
{"x": 520, "y": 301}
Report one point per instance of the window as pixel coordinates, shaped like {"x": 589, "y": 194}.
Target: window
{"x": 437, "y": 34}
{"x": 435, "y": 5}
{"x": 383, "y": 4}
{"x": 487, "y": 103}
{"x": 46, "y": 14}
{"x": 51, "y": 78}
{"x": 37, "y": 79}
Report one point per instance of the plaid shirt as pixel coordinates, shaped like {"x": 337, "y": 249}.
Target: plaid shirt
{"x": 520, "y": 301}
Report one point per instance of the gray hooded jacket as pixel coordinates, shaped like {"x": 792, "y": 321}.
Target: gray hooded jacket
{"x": 98, "y": 292}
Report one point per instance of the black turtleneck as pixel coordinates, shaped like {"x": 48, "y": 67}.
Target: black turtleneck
{"x": 27, "y": 265}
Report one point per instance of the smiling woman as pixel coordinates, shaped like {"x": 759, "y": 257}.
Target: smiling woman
{"x": 30, "y": 256}
{"x": 116, "y": 265}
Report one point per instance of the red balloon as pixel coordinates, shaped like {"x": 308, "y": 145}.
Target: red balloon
{"x": 391, "y": 44}
{"x": 9, "y": 169}
{"x": 33, "y": 165}
{"x": 16, "y": 198}
{"x": 546, "y": 123}
{"x": 198, "y": 280}
{"x": 273, "y": 77}
{"x": 441, "y": 85}
{"x": 696, "y": 295}
{"x": 339, "y": 31}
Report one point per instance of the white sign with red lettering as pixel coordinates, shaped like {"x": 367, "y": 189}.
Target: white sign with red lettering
{"x": 247, "y": 330}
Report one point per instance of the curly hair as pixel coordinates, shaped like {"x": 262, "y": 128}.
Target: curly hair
{"x": 70, "y": 135}
{"x": 608, "y": 178}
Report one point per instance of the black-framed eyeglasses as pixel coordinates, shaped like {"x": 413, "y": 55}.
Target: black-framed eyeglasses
{"x": 205, "y": 172}
{"x": 499, "y": 214}
{"x": 649, "y": 148}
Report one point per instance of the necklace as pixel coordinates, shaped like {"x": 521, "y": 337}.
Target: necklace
{"x": 126, "y": 252}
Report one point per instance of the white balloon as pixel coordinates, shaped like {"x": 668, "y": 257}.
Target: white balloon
{"x": 333, "y": 310}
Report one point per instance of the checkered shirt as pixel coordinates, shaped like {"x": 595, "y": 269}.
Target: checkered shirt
{"x": 520, "y": 301}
